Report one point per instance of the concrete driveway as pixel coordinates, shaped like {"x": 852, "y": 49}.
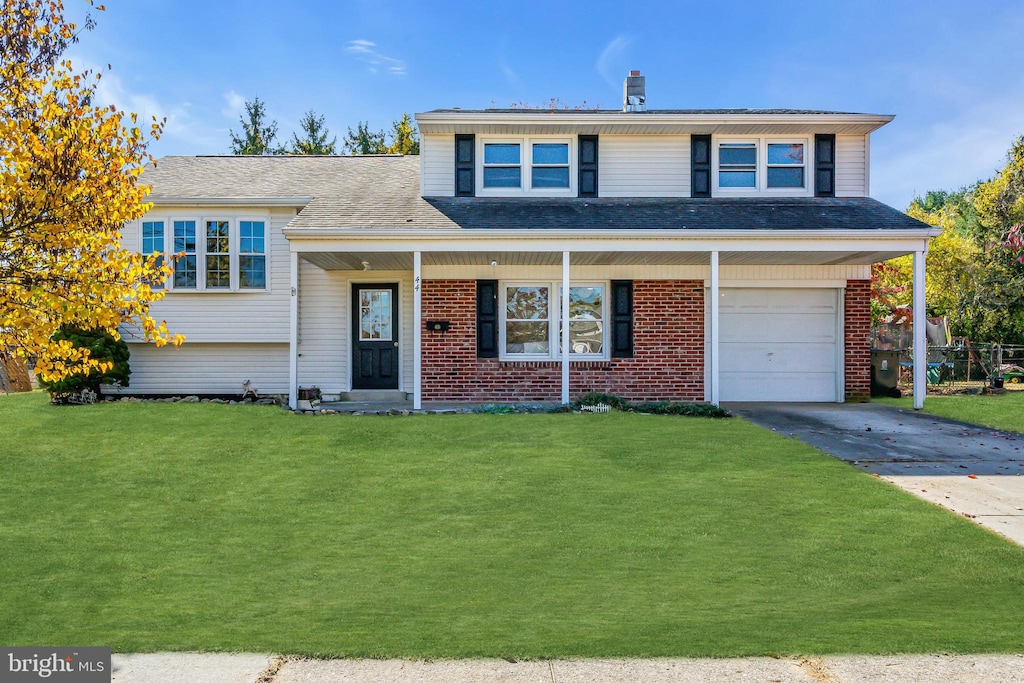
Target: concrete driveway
{"x": 975, "y": 471}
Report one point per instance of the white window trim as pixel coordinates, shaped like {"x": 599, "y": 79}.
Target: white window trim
{"x": 762, "y": 189}
{"x": 526, "y": 166}
{"x": 554, "y": 321}
{"x": 234, "y": 244}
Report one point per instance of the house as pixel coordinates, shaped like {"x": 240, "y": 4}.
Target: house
{"x": 533, "y": 255}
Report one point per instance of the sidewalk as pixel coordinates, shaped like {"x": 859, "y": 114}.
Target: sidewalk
{"x": 248, "y": 668}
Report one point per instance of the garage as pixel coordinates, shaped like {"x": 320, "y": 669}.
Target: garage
{"x": 780, "y": 345}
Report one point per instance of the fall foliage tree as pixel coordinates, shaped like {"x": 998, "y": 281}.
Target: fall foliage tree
{"x": 69, "y": 180}
{"x": 314, "y": 140}
{"x": 404, "y": 138}
{"x": 975, "y": 267}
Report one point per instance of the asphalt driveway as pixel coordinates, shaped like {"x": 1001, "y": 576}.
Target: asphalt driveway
{"x": 975, "y": 471}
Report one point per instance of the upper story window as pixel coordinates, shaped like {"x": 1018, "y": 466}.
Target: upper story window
{"x": 534, "y": 165}
{"x": 502, "y": 165}
{"x": 744, "y": 167}
{"x": 212, "y": 254}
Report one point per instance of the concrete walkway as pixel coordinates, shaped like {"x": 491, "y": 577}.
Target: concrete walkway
{"x": 222, "y": 668}
{"x": 974, "y": 471}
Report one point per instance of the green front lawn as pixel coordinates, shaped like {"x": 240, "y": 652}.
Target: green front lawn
{"x": 211, "y": 527}
{"x": 1004, "y": 411}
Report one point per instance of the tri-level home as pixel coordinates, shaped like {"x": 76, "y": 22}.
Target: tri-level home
{"x": 533, "y": 255}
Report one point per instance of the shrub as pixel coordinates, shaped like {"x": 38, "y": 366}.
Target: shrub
{"x": 594, "y": 398}
{"x": 680, "y": 408}
{"x": 102, "y": 346}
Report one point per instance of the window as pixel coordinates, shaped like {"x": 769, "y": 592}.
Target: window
{"x": 531, "y": 320}
{"x": 153, "y": 243}
{"x": 527, "y": 319}
{"x": 185, "y": 265}
{"x": 737, "y": 164}
{"x": 211, "y": 254}
{"x": 785, "y": 164}
{"x": 218, "y": 255}
{"x": 540, "y": 165}
{"x": 751, "y": 166}
{"x": 252, "y": 257}
{"x": 550, "y": 165}
{"x": 501, "y": 165}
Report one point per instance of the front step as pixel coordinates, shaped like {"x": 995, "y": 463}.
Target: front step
{"x": 374, "y": 396}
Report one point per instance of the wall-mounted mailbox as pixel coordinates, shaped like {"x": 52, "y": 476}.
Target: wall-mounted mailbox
{"x": 438, "y": 325}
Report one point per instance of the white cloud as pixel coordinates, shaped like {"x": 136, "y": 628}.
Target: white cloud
{"x": 180, "y": 125}
{"x": 234, "y": 105}
{"x": 366, "y": 51}
{"x": 609, "y": 63}
{"x": 510, "y": 75}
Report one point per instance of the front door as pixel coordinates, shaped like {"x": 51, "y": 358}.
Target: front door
{"x": 375, "y": 336}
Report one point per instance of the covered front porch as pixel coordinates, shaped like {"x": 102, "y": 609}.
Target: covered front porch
{"x": 688, "y": 274}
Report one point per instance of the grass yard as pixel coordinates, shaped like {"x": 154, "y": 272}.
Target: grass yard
{"x": 1003, "y": 411}
{"x": 151, "y": 526}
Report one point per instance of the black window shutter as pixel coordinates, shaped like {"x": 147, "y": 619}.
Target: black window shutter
{"x": 825, "y": 165}
{"x": 700, "y": 165}
{"x": 622, "y": 318}
{"x": 465, "y": 173}
{"x": 487, "y": 318}
{"x": 588, "y": 166}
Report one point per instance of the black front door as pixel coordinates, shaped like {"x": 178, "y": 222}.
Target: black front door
{"x": 375, "y": 336}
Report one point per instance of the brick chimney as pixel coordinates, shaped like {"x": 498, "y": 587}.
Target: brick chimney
{"x": 634, "y": 92}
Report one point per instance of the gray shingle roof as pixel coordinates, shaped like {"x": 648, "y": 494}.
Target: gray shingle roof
{"x": 384, "y": 192}
{"x": 806, "y": 213}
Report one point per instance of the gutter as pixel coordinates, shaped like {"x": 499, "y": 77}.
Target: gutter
{"x": 398, "y": 234}
{"x": 159, "y": 200}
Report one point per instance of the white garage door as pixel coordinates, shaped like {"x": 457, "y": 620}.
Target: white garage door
{"x": 779, "y": 344}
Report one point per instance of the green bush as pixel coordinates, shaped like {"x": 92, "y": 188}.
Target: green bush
{"x": 102, "y": 346}
{"x": 654, "y": 407}
{"x": 594, "y": 398}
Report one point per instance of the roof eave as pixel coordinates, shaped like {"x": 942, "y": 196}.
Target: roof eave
{"x": 445, "y": 122}
{"x": 632, "y": 234}
{"x": 165, "y": 200}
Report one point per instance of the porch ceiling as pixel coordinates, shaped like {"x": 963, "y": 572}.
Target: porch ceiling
{"x": 376, "y": 260}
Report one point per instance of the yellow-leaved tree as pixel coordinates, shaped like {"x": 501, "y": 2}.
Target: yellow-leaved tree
{"x": 68, "y": 183}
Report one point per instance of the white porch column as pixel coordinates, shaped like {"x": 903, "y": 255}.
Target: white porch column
{"x": 293, "y": 335}
{"x": 920, "y": 328}
{"x": 713, "y": 296}
{"x": 417, "y": 335}
{"x": 565, "y": 328}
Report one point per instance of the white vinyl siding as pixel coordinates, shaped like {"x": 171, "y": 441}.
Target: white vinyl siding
{"x": 852, "y": 166}
{"x": 644, "y": 166}
{"x": 437, "y": 165}
{"x": 325, "y": 325}
{"x": 239, "y": 316}
{"x": 782, "y": 276}
{"x": 195, "y": 368}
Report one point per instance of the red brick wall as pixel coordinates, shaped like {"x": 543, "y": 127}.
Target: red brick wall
{"x": 667, "y": 362}
{"x": 858, "y": 340}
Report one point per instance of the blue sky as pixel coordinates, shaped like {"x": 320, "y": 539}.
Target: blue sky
{"x": 951, "y": 71}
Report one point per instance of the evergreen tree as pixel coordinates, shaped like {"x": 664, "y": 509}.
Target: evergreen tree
{"x": 315, "y": 136}
{"x": 258, "y": 133}
{"x": 363, "y": 141}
